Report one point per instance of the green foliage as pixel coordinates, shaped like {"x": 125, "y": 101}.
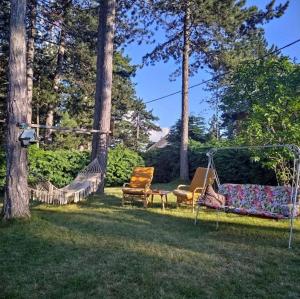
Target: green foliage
{"x": 197, "y": 130}
{"x": 232, "y": 166}
{"x": 239, "y": 33}
{"x": 121, "y": 161}
{"x": 59, "y": 166}
{"x": 69, "y": 141}
{"x": 262, "y": 106}
{"x": 165, "y": 161}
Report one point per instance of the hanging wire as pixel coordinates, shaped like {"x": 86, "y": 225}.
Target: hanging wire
{"x": 225, "y": 73}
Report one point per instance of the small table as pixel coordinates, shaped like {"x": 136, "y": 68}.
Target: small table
{"x": 163, "y": 196}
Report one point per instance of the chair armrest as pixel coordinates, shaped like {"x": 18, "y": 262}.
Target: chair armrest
{"x": 125, "y": 184}
{"x": 183, "y": 186}
{"x": 198, "y": 190}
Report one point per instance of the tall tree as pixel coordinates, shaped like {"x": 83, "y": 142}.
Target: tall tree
{"x": 184, "y": 164}
{"x": 199, "y": 33}
{"x": 16, "y": 200}
{"x": 102, "y": 116}
{"x": 4, "y": 53}
{"x": 60, "y": 9}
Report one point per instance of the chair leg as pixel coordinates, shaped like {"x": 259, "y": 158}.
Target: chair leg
{"x": 197, "y": 213}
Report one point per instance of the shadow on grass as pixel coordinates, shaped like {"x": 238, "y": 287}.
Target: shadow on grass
{"x": 241, "y": 230}
{"x": 100, "y": 249}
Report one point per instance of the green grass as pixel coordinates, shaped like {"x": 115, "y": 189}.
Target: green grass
{"x": 99, "y": 249}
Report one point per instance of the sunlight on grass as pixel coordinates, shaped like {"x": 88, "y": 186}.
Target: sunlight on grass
{"x": 99, "y": 249}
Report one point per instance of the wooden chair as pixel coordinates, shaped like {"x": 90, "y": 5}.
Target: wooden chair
{"x": 139, "y": 185}
{"x": 188, "y": 194}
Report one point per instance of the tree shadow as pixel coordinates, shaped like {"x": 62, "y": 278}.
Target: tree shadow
{"x": 235, "y": 229}
{"x": 100, "y": 249}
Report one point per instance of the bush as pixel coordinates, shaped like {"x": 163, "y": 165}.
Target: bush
{"x": 121, "y": 161}
{"x": 166, "y": 163}
{"x": 60, "y": 167}
{"x": 232, "y": 166}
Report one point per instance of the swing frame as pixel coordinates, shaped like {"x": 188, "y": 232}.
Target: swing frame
{"x": 294, "y": 149}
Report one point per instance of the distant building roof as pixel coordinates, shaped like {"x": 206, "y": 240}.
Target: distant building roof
{"x": 163, "y": 142}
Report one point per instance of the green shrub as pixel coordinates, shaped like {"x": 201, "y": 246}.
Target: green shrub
{"x": 166, "y": 163}
{"x": 121, "y": 161}
{"x": 232, "y": 166}
{"x": 60, "y": 167}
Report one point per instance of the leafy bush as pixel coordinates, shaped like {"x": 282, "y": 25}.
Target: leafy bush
{"x": 59, "y": 166}
{"x": 232, "y": 166}
{"x": 166, "y": 163}
{"x": 121, "y": 161}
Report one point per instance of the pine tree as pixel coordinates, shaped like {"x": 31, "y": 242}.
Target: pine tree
{"x": 16, "y": 200}
{"x": 199, "y": 33}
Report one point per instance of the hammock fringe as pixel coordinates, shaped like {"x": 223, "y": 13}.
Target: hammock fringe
{"x": 85, "y": 184}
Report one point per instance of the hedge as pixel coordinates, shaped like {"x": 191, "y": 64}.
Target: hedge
{"x": 60, "y": 167}
{"x": 232, "y": 166}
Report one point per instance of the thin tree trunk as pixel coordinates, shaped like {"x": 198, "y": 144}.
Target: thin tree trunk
{"x": 184, "y": 168}
{"x": 32, "y": 10}
{"x": 59, "y": 68}
{"x": 102, "y": 113}
{"x": 16, "y": 201}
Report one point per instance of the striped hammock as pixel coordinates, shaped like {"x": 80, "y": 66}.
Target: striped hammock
{"x": 86, "y": 183}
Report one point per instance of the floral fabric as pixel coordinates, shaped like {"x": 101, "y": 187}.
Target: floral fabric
{"x": 266, "y": 201}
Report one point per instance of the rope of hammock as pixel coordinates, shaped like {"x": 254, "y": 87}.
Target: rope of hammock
{"x": 85, "y": 184}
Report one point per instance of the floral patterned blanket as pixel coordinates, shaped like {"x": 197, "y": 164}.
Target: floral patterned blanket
{"x": 266, "y": 201}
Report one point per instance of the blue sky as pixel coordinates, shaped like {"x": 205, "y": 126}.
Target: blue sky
{"x": 153, "y": 81}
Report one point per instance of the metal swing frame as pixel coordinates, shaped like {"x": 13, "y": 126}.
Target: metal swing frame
{"x": 294, "y": 149}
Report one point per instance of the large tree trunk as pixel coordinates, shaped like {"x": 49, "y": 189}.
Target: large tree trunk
{"x": 16, "y": 201}
{"x": 59, "y": 67}
{"x": 102, "y": 113}
{"x": 32, "y": 11}
{"x": 184, "y": 167}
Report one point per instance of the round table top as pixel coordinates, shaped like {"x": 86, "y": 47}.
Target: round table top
{"x": 158, "y": 192}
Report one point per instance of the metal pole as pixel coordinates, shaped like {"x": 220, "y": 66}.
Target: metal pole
{"x": 205, "y": 180}
{"x": 294, "y": 203}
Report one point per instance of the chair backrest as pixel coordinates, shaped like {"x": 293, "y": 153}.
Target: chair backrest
{"x": 141, "y": 176}
{"x": 199, "y": 178}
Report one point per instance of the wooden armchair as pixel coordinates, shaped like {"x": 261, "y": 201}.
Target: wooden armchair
{"x": 139, "y": 185}
{"x": 188, "y": 194}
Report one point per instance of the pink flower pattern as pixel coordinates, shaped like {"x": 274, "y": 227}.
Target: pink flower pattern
{"x": 266, "y": 201}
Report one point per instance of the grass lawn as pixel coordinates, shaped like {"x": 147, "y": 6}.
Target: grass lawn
{"x": 102, "y": 250}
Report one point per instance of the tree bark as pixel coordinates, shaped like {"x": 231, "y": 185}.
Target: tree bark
{"x": 102, "y": 114}
{"x": 16, "y": 200}
{"x": 184, "y": 168}
{"x": 32, "y": 12}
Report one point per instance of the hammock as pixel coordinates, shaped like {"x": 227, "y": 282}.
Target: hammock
{"x": 86, "y": 183}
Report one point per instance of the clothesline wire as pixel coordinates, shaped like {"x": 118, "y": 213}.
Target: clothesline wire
{"x": 224, "y": 74}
